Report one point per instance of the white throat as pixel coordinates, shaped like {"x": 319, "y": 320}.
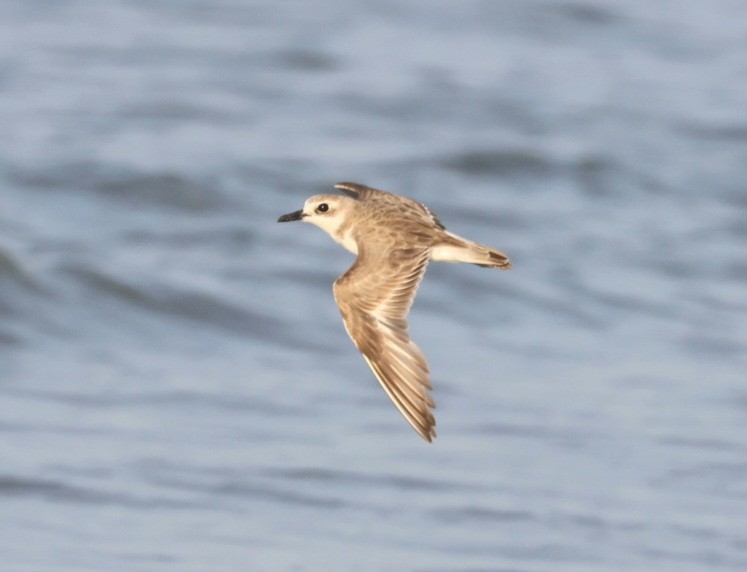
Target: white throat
{"x": 335, "y": 227}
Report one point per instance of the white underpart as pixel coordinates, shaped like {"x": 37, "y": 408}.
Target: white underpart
{"x": 348, "y": 242}
{"x": 331, "y": 225}
{"x": 450, "y": 253}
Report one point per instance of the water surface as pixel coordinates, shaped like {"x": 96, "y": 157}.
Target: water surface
{"x": 177, "y": 391}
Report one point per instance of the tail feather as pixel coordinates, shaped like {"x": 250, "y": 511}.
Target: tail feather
{"x": 497, "y": 258}
{"x": 458, "y": 249}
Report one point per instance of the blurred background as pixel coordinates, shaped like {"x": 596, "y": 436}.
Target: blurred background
{"x": 177, "y": 391}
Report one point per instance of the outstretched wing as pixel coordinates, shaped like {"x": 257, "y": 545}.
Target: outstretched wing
{"x": 374, "y": 297}
{"x": 362, "y": 192}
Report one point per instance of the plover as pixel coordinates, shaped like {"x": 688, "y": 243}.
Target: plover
{"x": 394, "y": 238}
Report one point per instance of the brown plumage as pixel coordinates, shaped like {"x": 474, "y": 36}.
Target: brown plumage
{"x": 394, "y": 238}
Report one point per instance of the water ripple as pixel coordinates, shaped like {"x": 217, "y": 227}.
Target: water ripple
{"x": 136, "y": 189}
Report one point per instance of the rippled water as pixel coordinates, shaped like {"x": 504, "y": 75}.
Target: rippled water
{"x": 177, "y": 391}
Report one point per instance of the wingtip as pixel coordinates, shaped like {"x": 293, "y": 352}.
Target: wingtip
{"x": 428, "y": 431}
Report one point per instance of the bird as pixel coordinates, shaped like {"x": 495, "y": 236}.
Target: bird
{"x": 394, "y": 238}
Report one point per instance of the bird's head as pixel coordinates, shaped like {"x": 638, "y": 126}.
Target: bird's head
{"x": 328, "y": 212}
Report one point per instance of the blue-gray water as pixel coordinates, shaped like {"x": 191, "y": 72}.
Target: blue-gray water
{"x": 177, "y": 391}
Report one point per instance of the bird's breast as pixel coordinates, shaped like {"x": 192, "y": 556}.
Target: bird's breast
{"x": 348, "y": 241}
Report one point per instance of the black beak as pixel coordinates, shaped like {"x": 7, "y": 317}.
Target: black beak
{"x": 298, "y": 215}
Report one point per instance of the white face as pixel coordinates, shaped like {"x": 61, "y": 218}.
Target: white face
{"x": 327, "y": 212}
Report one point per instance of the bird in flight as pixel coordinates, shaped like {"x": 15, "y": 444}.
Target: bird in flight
{"x": 394, "y": 238}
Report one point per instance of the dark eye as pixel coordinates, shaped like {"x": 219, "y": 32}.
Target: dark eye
{"x": 322, "y": 208}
